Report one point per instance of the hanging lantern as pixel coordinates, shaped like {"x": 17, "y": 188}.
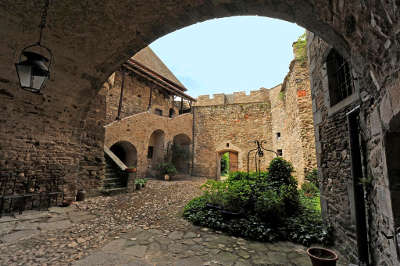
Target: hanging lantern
{"x": 34, "y": 71}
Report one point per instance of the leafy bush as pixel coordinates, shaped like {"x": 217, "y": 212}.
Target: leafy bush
{"x": 140, "y": 181}
{"x": 313, "y": 177}
{"x": 270, "y": 207}
{"x": 235, "y": 176}
{"x": 290, "y": 198}
{"x": 309, "y": 189}
{"x": 280, "y": 173}
{"x": 238, "y": 195}
{"x": 308, "y": 228}
{"x": 214, "y": 192}
{"x": 167, "y": 168}
{"x": 181, "y": 151}
{"x": 265, "y": 207}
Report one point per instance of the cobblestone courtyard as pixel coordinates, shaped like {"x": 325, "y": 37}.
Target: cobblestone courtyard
{"x": 142, "y": 228}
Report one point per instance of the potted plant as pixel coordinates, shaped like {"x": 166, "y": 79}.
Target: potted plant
{"x": 166, "y": 170}
{"x": 143, "y": 182}
{"x": 131, "y": 169}
{"x": 322, "y": 256}
{"x": 138, "y": 183}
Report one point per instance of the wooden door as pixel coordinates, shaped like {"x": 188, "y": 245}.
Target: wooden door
{"x": 233, "y": 161}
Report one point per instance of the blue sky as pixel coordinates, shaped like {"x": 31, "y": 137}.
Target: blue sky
{"x": 229, "y": 54}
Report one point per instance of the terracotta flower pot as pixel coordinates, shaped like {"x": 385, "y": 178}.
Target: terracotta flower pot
{"x": 167, "y": 177}
{"x": 130, "y": 170}
{"x": 322, "y": 256}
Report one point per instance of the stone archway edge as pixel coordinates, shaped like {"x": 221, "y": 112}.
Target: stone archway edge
{"x": 114, "y": 157}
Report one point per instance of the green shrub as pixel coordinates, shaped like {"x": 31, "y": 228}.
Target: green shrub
{"x": 290, "y": 198}
{"x": 309, "y": 189}
{"x": 196, "y": 204}
{"x": 313, "y": 177}
{"x": 270, "y": 207}
{"x": 308, "y": 228}
{"x": 166, "y": 168}
{"x": 312, "y": 203}
{"x": 237, "y": 196}
{"x": 214, "y": 192}
{"x": 236, "y": 176}
{"x": 280, "y": 173}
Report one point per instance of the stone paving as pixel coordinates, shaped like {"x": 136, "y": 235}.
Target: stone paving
{"x": 141, "y": 228}
{"x": 197, "y": 247}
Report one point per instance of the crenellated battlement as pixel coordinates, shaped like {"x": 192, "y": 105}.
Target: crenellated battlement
{"x": 261, "y": 95}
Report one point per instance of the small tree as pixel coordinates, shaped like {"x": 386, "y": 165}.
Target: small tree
{"x": 280, "y": 172}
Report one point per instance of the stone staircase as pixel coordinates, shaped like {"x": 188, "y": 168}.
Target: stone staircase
{"x": 115, "y": 177}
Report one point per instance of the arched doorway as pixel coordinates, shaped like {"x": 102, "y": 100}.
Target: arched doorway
{"x": 181, "y": 153}
{"x": 155, "y": 150}
{"x": 116, "y": 179}
{"x": 227, "y": 161}
{"x": 126, "y": 152}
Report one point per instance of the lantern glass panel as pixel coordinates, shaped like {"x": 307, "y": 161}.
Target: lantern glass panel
{"x": 24, "y": 73}
{"x": 38, "y": 81}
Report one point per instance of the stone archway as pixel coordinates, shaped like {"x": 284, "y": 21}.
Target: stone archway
{"x": 155, "y": 150}
{"x": 91, "y": 39}
{"x": 181, "y": 153}
{"x": 126, "y": 152}
{"x": 235, "y": 158}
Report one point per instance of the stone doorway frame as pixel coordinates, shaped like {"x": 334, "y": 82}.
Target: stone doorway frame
{"x": 223, "y": 148}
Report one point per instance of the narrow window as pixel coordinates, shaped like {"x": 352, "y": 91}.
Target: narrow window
{"x": 150, "y": 152}
{"x": 339, "y": 78}
{"x": 280, "y": 152}
{"x": 278, "y": 135}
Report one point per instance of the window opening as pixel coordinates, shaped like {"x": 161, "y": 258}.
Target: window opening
{"x": 158, "y": 112}
{"x": 339, "y": 78}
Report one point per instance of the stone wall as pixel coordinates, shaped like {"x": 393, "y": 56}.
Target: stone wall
{"x": 220, "y": 126}
{"x": 377, "y": 119}
{"x": 42, "y": 141}
{"x": 234, "y": 119}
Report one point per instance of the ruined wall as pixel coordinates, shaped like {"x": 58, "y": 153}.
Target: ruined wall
{"x": 334, "y": 157}
{"x": 136, "y": 96}
{"x": 292, "y": 116}
{"x": 229, "y": 123}
{"x": 137, "y": 129}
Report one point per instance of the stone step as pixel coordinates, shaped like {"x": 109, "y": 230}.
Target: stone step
{"x": 113, "y": 185}
{"x": 114, "y": 191}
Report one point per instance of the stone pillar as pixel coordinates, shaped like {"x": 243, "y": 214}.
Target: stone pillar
{"x": 131, "y": 182}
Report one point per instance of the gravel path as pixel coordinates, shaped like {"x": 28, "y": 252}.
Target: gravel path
{"x": 63, "y": 235}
